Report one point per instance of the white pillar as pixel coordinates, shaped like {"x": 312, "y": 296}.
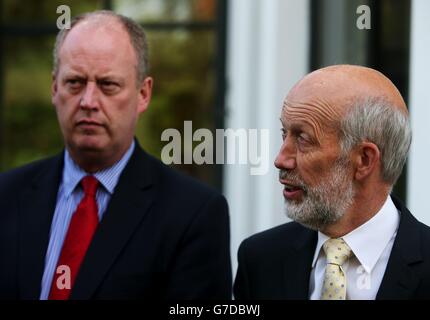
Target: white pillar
{"x": 419, "y": 105}
{"x": 268, "y": 51}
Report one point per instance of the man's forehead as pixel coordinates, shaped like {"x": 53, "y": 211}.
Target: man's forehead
{"x": 295, "y": 124}
{"x": 313, "y": 109}
{"x": 98, "y": 34}
{"x": 77, "y": 68}
{"x": 313, "y": 116}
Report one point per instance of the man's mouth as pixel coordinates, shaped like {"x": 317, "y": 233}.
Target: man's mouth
{"x": 89, "y": 127}
{"x": 88, "y": 123}
{"x": 293, "y": 192}
{"x": 292, "y": 188}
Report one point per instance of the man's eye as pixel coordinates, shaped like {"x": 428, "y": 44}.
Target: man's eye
{"x": 302, "y": 139}
{"x": 109, "y": 86}
{"x": 108, "y": 83}
{"x": 74, "y": 83}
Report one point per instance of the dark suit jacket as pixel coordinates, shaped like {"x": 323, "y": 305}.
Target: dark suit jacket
{"x": 163, "y": 235}
{"x": 276, "y": 264}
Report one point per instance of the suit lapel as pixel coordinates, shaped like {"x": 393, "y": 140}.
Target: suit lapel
{"x": 129, "y": 204}
{"x": 37, "y": 207}
{"x": 298, "y": 266}
{"x": 399, "y": 281}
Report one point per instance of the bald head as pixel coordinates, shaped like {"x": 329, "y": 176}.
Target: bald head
{"x": 336, "y": 87}
{"x": 325, "y": 95}
{"x": 101, "y": 34}
{"x": 341, "y": 83}
{"x": 93, "y": 23}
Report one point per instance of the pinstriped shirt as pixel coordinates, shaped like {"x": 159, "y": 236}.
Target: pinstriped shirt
{"x": 69, "y": 195}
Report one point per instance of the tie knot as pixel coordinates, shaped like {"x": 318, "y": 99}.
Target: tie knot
{"x": 337, "y": 251}
{"x": 90, "y": 184}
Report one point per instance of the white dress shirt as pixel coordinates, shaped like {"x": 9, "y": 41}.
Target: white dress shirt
{"x": 371, "y": 244}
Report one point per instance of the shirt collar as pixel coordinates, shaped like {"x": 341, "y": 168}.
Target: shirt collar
{"x": 73, "y": 174}
{"x": 369, "y": 240}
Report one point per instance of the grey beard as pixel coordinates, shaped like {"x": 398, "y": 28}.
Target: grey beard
{"x": 324, "y": 204}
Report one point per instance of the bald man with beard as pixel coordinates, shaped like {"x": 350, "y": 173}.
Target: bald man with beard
{"x": 346, "y": 137}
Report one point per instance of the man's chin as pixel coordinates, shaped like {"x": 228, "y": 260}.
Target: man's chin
{"x": 294, "y": 202}
{"x": 312, "y": 218}
{"x": 313, "y": 224}
{"x": 90, "y": 144}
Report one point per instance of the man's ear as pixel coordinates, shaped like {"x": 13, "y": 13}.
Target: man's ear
{"x": 367, "y": 158}
{"x": 145, "y": 93}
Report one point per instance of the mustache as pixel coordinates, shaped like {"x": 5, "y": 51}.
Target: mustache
{"x": 293, "y": 177}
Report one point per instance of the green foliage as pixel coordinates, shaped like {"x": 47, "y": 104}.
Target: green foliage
{"x": 183, "y": 90}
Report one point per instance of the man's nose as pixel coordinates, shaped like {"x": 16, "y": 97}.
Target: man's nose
{"x": 286, "y": 158}
{"x": 89, "y": 99}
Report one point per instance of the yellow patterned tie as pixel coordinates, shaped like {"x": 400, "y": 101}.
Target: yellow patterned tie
{"x": 337, "y": 252}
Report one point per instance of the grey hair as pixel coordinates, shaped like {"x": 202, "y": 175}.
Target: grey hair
{"x": 376, "y": 121}
{"x": 135, "y": 31}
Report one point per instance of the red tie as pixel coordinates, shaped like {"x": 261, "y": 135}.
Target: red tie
{"x": 81, "y": 230}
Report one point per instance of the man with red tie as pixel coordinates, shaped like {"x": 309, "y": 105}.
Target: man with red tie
{"x": 104, "y": 220}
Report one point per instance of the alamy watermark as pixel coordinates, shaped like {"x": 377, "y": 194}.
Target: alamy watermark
{"x": 364, "y": 21}
{"x": 63, "y": 281}
{"x": 232, "y": 146}
{"x": 64, "y": 20}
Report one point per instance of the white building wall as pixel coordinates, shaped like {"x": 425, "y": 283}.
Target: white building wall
{"x": 268, "y": 51}
{"x": 418, "y": 190}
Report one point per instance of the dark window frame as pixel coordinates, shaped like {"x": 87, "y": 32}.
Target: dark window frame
{"x": 375, "y": 58}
